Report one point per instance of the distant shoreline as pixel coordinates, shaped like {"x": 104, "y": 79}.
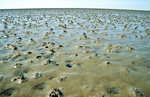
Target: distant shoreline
{"x": 76, "y": 8}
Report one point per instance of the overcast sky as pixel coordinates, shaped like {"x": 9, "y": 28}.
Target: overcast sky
{"x": 114, "y": 4}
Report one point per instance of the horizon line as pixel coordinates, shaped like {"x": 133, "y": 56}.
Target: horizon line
{"x": 78, "y": 8}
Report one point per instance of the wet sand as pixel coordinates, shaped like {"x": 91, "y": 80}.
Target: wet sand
{"x": 74, "y": 53}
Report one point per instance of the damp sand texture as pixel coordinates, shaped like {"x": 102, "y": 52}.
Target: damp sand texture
{"x": 74, "y": 53}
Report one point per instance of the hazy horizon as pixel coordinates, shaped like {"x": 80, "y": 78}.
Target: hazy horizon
{"x": 105, "y": 4}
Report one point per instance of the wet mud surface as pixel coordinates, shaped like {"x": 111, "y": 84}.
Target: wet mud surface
{"x": 74, "y": 53}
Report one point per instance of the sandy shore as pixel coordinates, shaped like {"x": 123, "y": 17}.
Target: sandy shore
{"x": 74, "y": 53}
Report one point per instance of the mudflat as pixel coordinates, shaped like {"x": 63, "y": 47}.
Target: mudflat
{"x": 74, "y": 53}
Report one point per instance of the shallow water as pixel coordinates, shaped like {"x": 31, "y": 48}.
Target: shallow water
{"x": 81, "y": 52}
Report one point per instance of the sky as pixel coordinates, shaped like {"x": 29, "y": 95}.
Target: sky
{"x": 109, "y": 4}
